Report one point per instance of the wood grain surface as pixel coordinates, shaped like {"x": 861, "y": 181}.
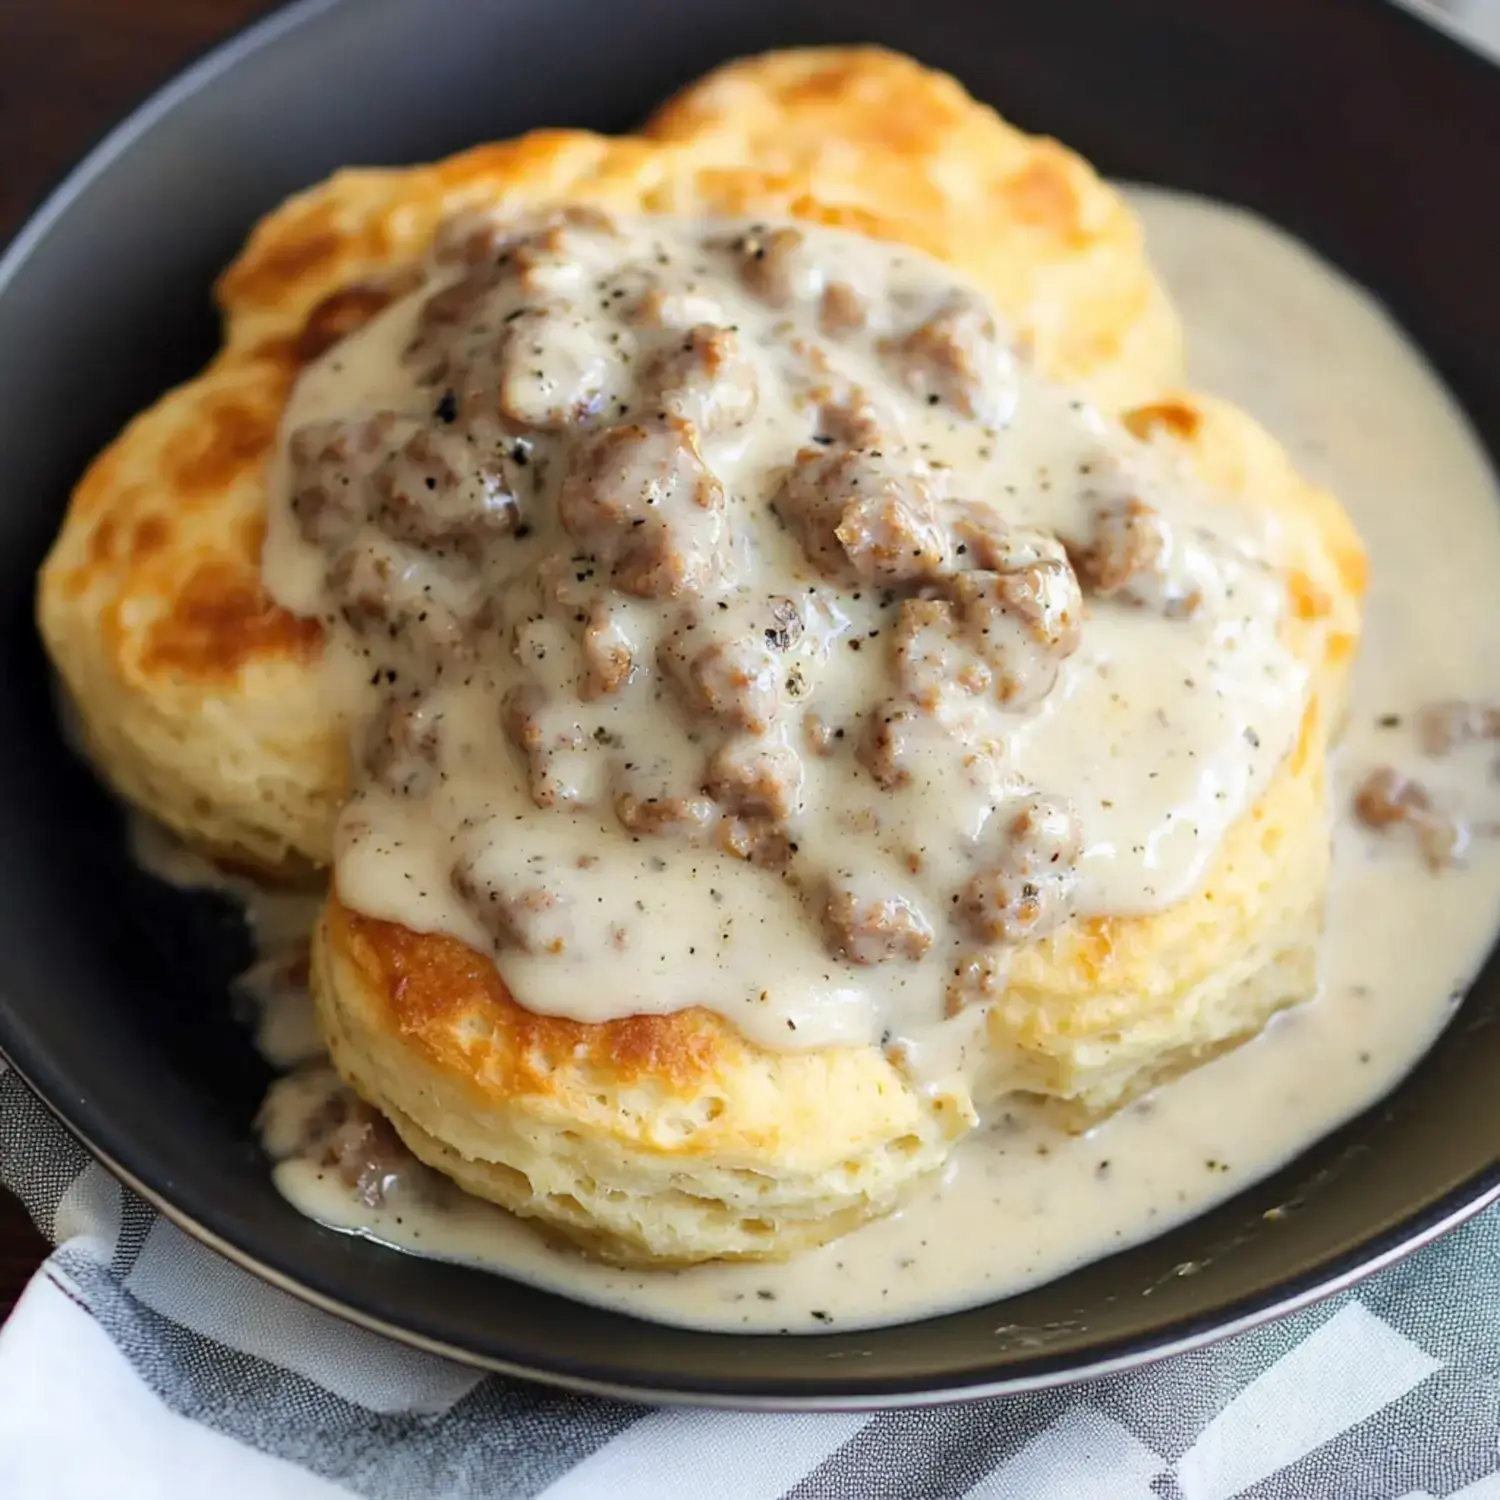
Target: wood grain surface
{"x": 68, "y": 70}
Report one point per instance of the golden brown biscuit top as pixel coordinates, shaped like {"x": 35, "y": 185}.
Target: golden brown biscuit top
{"x": 161, "y": 543}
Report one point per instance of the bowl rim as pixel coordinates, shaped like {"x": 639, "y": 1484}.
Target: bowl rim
{"x": 45, "y": 1078}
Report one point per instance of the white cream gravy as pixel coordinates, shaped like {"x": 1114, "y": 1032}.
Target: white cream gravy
{"x": 632, "y": 922}
{"x": 1318, "y": 361}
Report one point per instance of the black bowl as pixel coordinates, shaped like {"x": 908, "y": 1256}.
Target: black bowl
{"x": 1345, "y": 120}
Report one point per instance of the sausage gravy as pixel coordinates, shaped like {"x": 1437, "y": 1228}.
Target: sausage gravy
{"x": 770, "y": 558}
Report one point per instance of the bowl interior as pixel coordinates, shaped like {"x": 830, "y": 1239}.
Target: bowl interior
{"x": 1347, "y": 122}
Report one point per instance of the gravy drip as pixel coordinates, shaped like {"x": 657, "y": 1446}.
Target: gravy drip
{"x": 726, "y": 615}
{"x": 1280, "y": 332}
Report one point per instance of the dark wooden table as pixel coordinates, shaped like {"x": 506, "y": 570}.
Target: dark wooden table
{"x": 68, "y": 70}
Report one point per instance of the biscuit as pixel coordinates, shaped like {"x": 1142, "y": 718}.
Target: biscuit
{"x": 648, "y": 1140}
{"x": 672, "y": 1139}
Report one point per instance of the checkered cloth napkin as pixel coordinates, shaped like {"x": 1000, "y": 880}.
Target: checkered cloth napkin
{"x": 139, "y": 1364}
